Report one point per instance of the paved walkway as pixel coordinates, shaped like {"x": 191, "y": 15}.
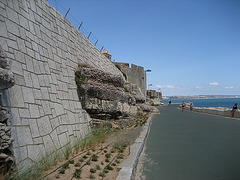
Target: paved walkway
{"x": 192, "y": 146}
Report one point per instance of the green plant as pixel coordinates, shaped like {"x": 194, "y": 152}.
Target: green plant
{"x": 105, "y": 151}
{"x": 84, "y": 157}
{"x": 102, "y": 163}
{"x": 102, "y": 174}
{"x": 88, "y": 163}
{"x": 117, "y": 161}
{"x": 98, "y": 167}
{"x": 109, "y": 167}
{"x": 107, "y": 160}
{"x": 71, "y": 161}
{"x": 80, "y": 78}
{"x": 65, "y": 165}
{"x": 77, "y": 173}
{"x": 57, "y": 176}
{"x": 77, "y": 164}
{"x": 95, "y": 158}
{"x": 108, "y": 155}
{"x": 126, "y": 89}
{"x": 92, "y": 176}
{"x": 113, "y": 151}
{"x": 105, "y": 171}
{"x": 113, "y": 164}
{"x": 92, "y": 170}
{"x": 61, "y": 171}
{"x": 120, "y": 150}
{"x": 67, "y": 152}
{"x": 89, "y": 153}
{"x": 120, "y": 156}
{"x": 81, "y": 160}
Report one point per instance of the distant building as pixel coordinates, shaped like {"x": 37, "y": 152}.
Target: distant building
{"x": 134, "y": 75}
{"x": 107, "y": 54}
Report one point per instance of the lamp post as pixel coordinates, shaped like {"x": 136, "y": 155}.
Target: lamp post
{"x": 149, "y": 93}
{"x": 159, "y": 90}
{"x": 145, "y": 78}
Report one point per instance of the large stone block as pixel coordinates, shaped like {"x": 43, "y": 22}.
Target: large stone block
{"x": 44, "y": 126}
{"x": 24, "y": 136}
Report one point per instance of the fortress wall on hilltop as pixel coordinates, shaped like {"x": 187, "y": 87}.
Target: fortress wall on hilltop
{"x": 44, "y": 50}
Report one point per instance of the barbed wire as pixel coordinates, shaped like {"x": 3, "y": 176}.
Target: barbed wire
{"x": 93, "y": 39}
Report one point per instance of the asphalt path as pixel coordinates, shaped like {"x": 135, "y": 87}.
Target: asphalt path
{"x": 192, "y": 146}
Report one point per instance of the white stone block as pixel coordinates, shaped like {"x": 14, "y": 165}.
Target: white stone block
{"x": 45, "y": 94}
{"x": 24, "y": 135}
{"x": 36, "y": 152}
{"x": 12, "y": 27}
{"x": 46, "y": 107}
{"x": 55, "y": 139}
{"x": 28, "y": 95}
{"x": 63, "y": 139}
{"x": 16, "y": 96}
{"x": 48, "y": 144}
{"x": 34, "y": 128}
{"x": 44, "y": 126}
{"x": 14, "y": 116}
{"x": 34, "y": 111}
{"x": 24, "y": 113}
{"x": 12, "y": 15}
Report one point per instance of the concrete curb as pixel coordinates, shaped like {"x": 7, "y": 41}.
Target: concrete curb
{"x": 128, "y": 166}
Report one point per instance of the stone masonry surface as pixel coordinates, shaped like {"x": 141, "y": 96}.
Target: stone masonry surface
{"x": 44, "y": 49}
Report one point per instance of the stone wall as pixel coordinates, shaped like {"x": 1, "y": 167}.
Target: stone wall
{"x": 44, "y": 49}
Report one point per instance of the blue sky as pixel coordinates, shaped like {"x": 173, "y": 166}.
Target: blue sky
{"x": 191, "y": 46}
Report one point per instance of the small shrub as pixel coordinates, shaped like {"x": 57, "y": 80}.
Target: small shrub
{"x": 113, "y": 151}
{"x": 120, "y": 150}
{"x": 107, "y": 160}
{"x": 95, "y": 158}
{"x": 81, "y": 160}
{"x": 92, "y": 176}
{"x": 105, "y": 151}
{"x": 109, "y": 168}
{"x": 108, "y": 155}
{"x": 105, "y": 171}
{"x": 61, "y": 171}
{"x": 98, "y": 167}
{"x": 92, "y": 170}
{"x": 117, "y": 161}
{"x": 57, "y": 176}
{"x": 102, "y": 174}
{"x": 84, "y": 157}
{"x": 88, "y": 163}
{"x": 89, "y": 153}
{"x": 102, "y": 163}
{"x": 71, "y": 161}
{"x": 120, "y": 156}
{"x": 113, "y": 164}
{"x": 65, "y": 165}
{"x": 77, "y": 164}
{"x": 77, "y": 173}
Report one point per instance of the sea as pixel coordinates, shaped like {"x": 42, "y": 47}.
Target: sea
{"x": 223, "y": 102}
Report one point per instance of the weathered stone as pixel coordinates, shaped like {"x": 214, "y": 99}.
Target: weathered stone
{"x": 6, "y": 79}
{"x": 4, "y": 116}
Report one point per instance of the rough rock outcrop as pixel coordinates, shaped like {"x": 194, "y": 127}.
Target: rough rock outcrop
{"x": 6, "y": 154}
{"x": 103, "y": 96}
{"x": 6, "y": 76}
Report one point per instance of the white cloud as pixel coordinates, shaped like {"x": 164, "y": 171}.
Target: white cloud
{"x": 198, "y": 87}
{"x": 229, "y": 87}
{"x": 213, "y": 83}
{"x": 166, "y": 86}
